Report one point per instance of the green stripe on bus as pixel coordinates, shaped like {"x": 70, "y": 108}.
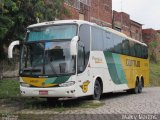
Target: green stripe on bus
{"x": 57, "y": 80}
{"x": 119, "y": 68}
{"x": 115, "y": 68}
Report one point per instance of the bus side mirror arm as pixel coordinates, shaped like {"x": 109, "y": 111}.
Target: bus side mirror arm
{"x": 10, "y": 48}
{"x": 73, "y": 45}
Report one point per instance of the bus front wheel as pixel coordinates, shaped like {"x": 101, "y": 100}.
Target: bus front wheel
{"x": 97, "y": 91}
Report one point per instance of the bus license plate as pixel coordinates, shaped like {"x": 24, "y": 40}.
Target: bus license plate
{"x": 43, "y": 92}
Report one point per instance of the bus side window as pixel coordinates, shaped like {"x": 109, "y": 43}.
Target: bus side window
{"x": 138, "y": 50}
{"x": 125, "y": 47}
{"x": 145, "y": 52}
{"x": 132, "y": 50}
{"x": 107, "y": 41}
{"x": 117, "y": 43}
{"x": 84, "y": 35}
{"x": 81, "y": 58}
{"x": 97, "y": 39}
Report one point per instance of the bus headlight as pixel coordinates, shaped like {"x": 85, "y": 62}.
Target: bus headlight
{"x": 24, "y": 84}
{"x": 66, "y": 84}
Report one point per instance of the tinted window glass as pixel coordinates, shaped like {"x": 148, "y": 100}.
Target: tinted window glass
{"x": 55, "y": 32}
{"x": 145, "y": 52}
{"x": 108, "y": 41}
{"x": 81, "y": 62}
{"x": 84, "y": 34}
{"x": 138, "y": 50}
{"x": 97, "y": 39}
{"x": 125, "y": 47}
{"x": 132, "y": 50}
{"x": 117, "y": 43}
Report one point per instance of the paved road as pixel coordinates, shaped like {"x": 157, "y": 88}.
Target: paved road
{"x": 148, "y": 102}
{"x": 117, "y": 106}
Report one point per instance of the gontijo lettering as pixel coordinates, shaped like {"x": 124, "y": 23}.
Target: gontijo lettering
{"x": 134, "y": 63}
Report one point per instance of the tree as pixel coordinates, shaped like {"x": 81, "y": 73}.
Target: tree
{"x": 16, "y": 15}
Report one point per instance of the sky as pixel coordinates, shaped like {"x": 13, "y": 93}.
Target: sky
{"x": 146, "y": 12}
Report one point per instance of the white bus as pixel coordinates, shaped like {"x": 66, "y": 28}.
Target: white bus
{"x": 74, "y": 58}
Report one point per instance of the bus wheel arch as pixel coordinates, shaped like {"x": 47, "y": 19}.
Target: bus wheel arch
{"x": 101, "y": 83}
{"x": 98, "y": 89}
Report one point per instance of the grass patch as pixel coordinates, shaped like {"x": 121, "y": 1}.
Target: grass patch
{"x": 9, "y": 88}
{"x": 11, "y": 101}
{"x": 155, "y": 74}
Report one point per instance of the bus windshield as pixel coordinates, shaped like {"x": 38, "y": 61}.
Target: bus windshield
{"x": 47, "y": 58}
{"x": 54, "y": 32}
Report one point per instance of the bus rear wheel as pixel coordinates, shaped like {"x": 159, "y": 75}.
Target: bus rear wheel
{"x": 135, "y": 90}
{"x": 140, "y": 86}
{"x": 97, "y": 91}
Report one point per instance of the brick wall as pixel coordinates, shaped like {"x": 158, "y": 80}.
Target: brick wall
{"x": 149, "y": 35}
{"x": 98, "y": 11}
{"x": 123, "y": 23}
{"x": 136, "y": 30}
{"x": 101, "y": 12}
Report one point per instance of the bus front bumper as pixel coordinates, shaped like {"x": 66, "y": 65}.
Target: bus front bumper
{"x": 48, "y": 92}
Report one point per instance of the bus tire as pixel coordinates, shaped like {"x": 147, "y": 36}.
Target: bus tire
{"x": 97, "y": 91}
{"x": 135, "y": 90}
{"x": 140, "y": 86}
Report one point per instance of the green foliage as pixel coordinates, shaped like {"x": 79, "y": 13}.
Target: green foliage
{"x": 153, "y": 44}
{"x": 155, "y": 74}
{"x": 16, "y": 15}
{"x": 153, "y": 51}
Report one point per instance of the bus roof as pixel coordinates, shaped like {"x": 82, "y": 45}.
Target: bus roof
{"x": 79, "y": 22}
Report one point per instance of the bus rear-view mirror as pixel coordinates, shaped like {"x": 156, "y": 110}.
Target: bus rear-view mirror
{"x": 10, "y": 48}
{"x": 73, "y": 45}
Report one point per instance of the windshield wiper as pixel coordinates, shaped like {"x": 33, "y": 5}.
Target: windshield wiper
{"x": 30, "y": 69}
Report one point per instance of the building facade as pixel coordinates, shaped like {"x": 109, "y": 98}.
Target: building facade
{"x": 97, "y": 11}
{"x": 150, "y": 35}
{"x": 100, "y": 12}
{"x": 123, "y": 23}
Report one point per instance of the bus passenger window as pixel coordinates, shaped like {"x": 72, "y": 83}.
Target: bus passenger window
{"x": 84, "y": 35}
{"x": 97, "y": 39}
{"x": 132, "y": 50}
{"x": 125, "y": 47}
{"x": 117, "y": 43}
{"x": 107, "y": 41}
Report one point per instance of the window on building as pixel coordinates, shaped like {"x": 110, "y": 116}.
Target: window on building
{"x": 81, "y": 16}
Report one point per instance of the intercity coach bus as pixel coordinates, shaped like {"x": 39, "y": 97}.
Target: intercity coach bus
{"x": 74, "y": 58}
